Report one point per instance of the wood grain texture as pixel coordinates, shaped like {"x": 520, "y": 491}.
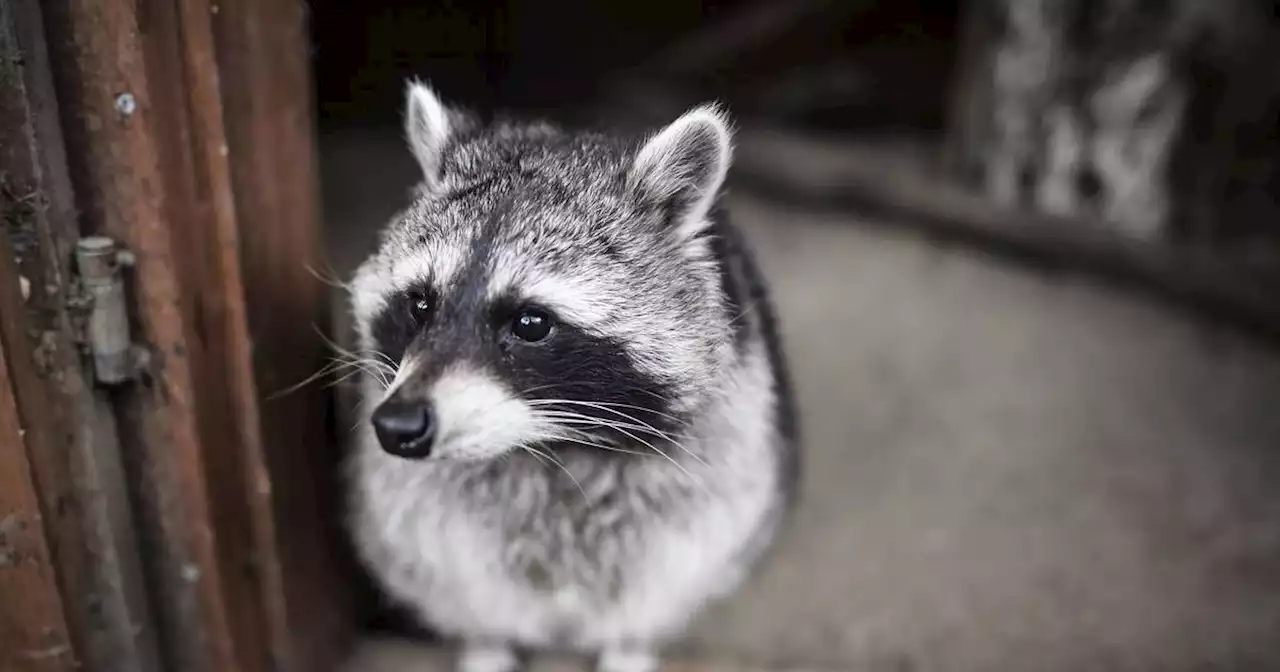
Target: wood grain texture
{"x": 139, "y": 179}
{"x": 35, "y": 635}
{"x": 267, "y": 98}
{"x": 208, "y": 175}
{"x": 35, "y": 630}
{"x": 68, "y": 437}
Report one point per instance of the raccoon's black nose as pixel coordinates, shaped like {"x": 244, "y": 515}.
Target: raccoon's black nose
{"x": 405, "y": 428}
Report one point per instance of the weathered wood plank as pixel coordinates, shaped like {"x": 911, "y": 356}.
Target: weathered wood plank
{"x": 34, "y": 632}
{"x": 198, "y": 153}
{"x": 238, "y": 486}
{"x": 262, "y": 54}
{"x": 121, "y": 78}
{"x": 68, "y": 438}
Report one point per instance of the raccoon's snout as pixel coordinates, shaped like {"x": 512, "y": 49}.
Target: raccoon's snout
{"x": 405, "y": 428}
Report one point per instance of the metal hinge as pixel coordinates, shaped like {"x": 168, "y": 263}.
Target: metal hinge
{"x": 116, "y": 358}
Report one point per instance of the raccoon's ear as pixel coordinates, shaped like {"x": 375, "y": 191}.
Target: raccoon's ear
{"x": 684, "y": 166}
{"x": 428, "y": 126}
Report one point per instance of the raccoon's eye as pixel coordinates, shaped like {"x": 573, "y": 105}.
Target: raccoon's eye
{"x": 531, "y": 325}
{"x": 419, "y": 308}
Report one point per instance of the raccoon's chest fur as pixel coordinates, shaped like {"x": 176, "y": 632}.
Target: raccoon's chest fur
{"x": 585, "y": 551}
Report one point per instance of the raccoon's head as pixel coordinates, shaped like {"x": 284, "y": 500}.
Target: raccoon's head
{"x": 546, "y": 288}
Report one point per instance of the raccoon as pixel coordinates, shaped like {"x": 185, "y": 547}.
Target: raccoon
{"x": 582, "y": 430}
{"x": 1126, "y": 111}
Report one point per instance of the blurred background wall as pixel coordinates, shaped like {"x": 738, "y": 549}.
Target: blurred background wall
{"x": 1034, "y": 443}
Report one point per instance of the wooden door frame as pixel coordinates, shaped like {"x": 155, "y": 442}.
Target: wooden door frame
{"x": 35, "y": 626}
{"x": 74, "y": 594}
{"x": 35, "y": 629}
{"x": 189, "y": 139}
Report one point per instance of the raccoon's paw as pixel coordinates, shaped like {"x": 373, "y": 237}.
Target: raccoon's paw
{"x": 487, "y": 657}
{"x": 627, "y": 660}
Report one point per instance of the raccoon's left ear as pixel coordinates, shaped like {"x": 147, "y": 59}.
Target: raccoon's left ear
{"x": 428, "y": 126}
{"x": 684, "y": 166}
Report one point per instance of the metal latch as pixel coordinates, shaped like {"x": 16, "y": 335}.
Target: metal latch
{"x": 116, "y": 359}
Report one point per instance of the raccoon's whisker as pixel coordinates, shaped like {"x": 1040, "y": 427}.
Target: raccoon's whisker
{"x": 354, "y": 354}
{"x": 382, "y": 380}
{"x": 537, "y": 454}
{"x": 628, "y": 388}
{"x": 526, "y": 392}
{"x": 379, "y": 360}
{"x": 651, "y": 393}
{"x": 360, "y": 417}
{"x": 380, "y": 375}
{"x": 571, "y": 415}
{"x": 344, "y": 378}
{"x": 641, "y": 426}
{"x": 744, "y": 314}
{"x": 540, "y": 456}
{"x": 615, "y": 426}
{"x": 362, "y": 361}
{"x": 595, "y": 405}
{"x": 668, "y": 416}
{"x": 657, "y": 452}
{"x": 563, "y": 412}
{"x": 298, "y": 386}
{"x": 364, "y": 356}
{"x": 536, "y": 388}
{"x": 574, "y": 426}
{"x": 347, "y": 358}
{"x": 328, "y": 278}
{"x": 591, "y": 440}
{"x": 609, "y": 406}
{"x": 601, "y": 446}
{"x": 654, "y": 453}
{"x": 661, "y": 452}
{"x": 349, "y": 363}
{"x": 324, "y": 338}
{"x": 334, "y": 366}
{"x": 385, "y": 358}
{"x": 375, "y": 369}
{"x": 593, "y": 423}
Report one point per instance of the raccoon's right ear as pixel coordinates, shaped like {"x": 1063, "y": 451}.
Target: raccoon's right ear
{"x": 428, "y": 127}
{"x": 684, "y": 166}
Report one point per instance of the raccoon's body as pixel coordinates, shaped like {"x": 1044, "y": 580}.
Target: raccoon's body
{"x": 1132, "y": 112}
{"x": 586, "y": 346}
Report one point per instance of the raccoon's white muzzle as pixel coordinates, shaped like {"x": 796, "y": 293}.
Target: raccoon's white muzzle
{"x": 473, "y": 416}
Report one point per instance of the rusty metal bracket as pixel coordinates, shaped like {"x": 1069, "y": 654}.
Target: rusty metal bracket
{"x": 116, "y": 358}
